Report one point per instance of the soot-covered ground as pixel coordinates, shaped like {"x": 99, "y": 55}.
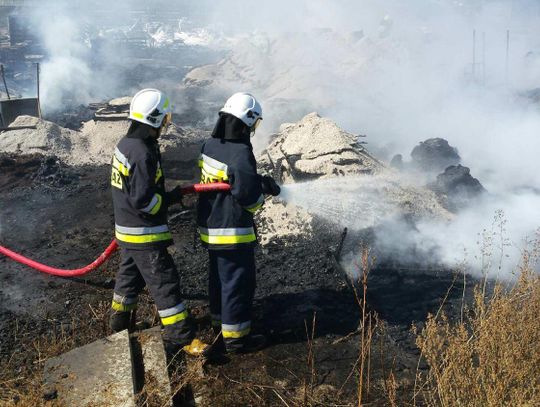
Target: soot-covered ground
{"x": 62, "y": 216}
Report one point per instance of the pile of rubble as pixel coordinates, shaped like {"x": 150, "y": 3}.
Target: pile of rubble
{"x": 316, "y": 148}
{"x": 440, "y": 164}
{"x": 458, "y": 186}
{"x": 434, "y": 155}
{"x": 93, "y": 144}
{"x": 94, "y": 140}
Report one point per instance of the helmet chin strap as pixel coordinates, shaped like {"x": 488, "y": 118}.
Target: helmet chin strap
{"x": 255, "y": 127}
{"x": 164, "y": 126}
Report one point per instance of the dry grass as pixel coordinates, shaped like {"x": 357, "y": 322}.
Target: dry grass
{"x": 366, "y": 328}
{"x": 21, "y": 378}
{"x": 21, "y": 374}
{"x": 487, "y": 356}
{"x": 492, "y": 356}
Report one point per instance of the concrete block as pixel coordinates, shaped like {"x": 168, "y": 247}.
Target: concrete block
{"x": 152, "y": 379}
{"x": 97, "y": 374}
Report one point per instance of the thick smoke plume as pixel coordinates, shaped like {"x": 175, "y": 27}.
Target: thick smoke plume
{"x": 398, "y": 71}
{"x": 402, "y": 72}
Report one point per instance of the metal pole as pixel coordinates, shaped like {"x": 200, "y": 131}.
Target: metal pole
{"x": 507, "y": 62}
{"x": 4, "y": 80}
{"x": 38, "y": 90}
{"x": 474, "y": 54}
{"x": 484, "y": 58}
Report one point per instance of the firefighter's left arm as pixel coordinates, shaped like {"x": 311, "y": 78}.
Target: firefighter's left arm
{"x": 143, "y": 195}
{"x": 245, "y": 182}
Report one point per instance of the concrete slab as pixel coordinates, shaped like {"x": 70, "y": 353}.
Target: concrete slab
{"x": 155, "y": 385}
{"x": 98, "y": 374}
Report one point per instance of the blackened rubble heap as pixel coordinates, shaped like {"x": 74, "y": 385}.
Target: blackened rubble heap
{"x": 459, "y": 186}
{"x": 441, "y": 163}
{"x": 434, "y": 155}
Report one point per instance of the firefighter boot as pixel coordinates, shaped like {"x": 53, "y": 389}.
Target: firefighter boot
{"x": 247, "y": 344}
{"x": 121, "y": 320}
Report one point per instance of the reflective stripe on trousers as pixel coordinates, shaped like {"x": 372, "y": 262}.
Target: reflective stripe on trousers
{"x": 173, "y": 315}
{"x": 237, "y": 330}
{"x": 121, "y": 303}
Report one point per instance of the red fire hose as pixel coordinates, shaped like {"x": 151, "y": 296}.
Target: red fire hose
{"x": 113, "y": 246}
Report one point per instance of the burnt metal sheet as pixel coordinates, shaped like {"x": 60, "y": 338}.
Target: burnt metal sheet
{"x": 11, "y": 109}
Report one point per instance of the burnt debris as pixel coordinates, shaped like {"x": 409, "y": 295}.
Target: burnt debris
{"x": 459, "y": 187}
{"x": 434, "y": 155}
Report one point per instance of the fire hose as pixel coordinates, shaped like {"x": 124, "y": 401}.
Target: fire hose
{"x": 113, "y": 246}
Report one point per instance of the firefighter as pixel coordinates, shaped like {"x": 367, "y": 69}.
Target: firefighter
{"x": 140, "y": 212}
{"x": 225, "y": 220}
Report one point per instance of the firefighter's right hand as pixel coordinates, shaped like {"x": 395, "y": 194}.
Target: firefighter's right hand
{"x": 269, "y": 186}
{"x": 174, "y": 196}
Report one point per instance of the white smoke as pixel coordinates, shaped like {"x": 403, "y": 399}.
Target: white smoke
{"x": 96, "y": 49}
{"x": 402, "y": 72}
{"x": 398, "y": 71}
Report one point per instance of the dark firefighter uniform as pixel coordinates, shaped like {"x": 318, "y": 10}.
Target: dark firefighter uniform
{"x": 226, "y": 227}
{"x": 142, "y": 232}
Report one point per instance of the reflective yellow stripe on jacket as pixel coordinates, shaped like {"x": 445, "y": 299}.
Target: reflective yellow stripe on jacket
{"x": 142, "y": 234}
{"x": 154, "y": 206}
{"x": 227, "y": 235}
{"x": 212, "y": 170}
{"x": 256, "y": 206}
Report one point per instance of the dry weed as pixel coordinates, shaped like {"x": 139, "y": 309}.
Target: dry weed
{"x": 491, "y": 358}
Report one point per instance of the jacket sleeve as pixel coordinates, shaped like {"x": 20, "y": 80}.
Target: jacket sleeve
{"x": 143, "y": 195}
{"x": 245, "y": 183}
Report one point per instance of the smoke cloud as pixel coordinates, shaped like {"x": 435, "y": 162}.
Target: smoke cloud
{"x": 397, "y": 71}
{"x": 402, "y": 72}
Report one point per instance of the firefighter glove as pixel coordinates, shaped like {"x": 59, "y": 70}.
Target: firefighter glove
{"x": 269, "y": 186}
{"x": 174, "y": 196}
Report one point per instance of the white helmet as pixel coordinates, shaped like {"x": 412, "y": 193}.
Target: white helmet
{"x": 150, "y": 106}
{"x": 245, "y": 107}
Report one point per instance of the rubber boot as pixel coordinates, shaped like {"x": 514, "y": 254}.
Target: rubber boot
{"x": 121, "y": 320}
{"x": 247, "y": 344}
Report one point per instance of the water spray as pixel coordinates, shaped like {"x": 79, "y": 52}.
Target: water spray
{"x": 354, "y": 202}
